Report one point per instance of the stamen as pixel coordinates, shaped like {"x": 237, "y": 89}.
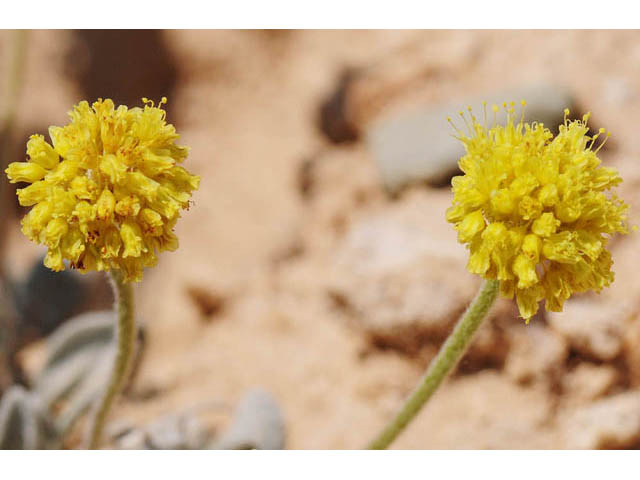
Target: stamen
{"x": 461, "y": 113}
{"x": 473, "y": 117}
{"x": 484, "y": 109}
{"x": 455, "y": 127}
{"x": 603, "y": 141}
{"x": 163, "y": 101}
{"x": 524, "y": 105}
{"x": 594, "y": 138}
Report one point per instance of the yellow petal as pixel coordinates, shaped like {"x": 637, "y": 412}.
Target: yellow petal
{"x": 151, "y": 222}
{"x": 128, "y": 206}
{"x": 41, "y": 153}
{"x": 53, "y": 260}
{"x": 527, "y": 300}
{"x": 502, "y": 201}
{"x": 34, "y": 193}
{"x": 525, "y": 270}
{"x": 106, "y": 206}
{"x": 531, "y": 247}
{"x": 561, "y": 247}
{"x": 56, "y": 228}
{"x": 471, "y": 225}
{"x": 25, "y": 172}
{"x": 84, "y": 188}
{"x": 546, "y": 225}
{"x": 112, "y": 243}
{"x": 72, "y": 245}
{"x": 548, "y": 195}
{"x": 132, "y": 239}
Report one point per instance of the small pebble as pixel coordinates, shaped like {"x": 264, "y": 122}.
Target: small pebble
{"x": 257, "y": 423}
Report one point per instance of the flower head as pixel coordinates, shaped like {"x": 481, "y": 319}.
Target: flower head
{"x": 536, "y": 211}
{"x": 107, "y": 193}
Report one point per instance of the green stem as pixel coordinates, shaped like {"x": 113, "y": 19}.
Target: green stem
{"x": 448, "y": 356}
{"x": 126, "y": 337}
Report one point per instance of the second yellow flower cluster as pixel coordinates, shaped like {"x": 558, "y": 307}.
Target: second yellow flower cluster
{"x": 534, "y": 210}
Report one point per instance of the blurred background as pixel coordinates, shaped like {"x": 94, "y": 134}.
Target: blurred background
{"x": 316, "y": 274}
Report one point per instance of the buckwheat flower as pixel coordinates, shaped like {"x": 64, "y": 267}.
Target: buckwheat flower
{"x": 107, "y": 192}
{"x": 106, "y": 195}
{"x": 536, "y": 211}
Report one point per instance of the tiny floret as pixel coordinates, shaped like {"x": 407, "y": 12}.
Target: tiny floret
{"x": 108, "y": 191}
{"x": 536, "y": 211}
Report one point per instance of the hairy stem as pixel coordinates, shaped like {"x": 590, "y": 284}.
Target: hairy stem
{"x": 448, "y": 357}
{"x": 126, "y": 337}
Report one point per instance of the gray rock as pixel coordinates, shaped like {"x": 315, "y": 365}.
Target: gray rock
{"x": 177, "y": 432}
{"x": 418, "y": 146}
{"x": 134, "y": 439}
{"x": 182, "y": 431}
{"x": 257, "y": 423}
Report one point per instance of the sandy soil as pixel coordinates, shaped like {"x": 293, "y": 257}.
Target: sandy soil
{"x": 329, "y": 291}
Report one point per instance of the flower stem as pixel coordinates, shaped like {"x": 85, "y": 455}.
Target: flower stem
{"x": 448, "y": 356}
{"x": 126, "y": 336}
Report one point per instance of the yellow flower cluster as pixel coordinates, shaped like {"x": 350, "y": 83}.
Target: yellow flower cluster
{"x": 108, "y": 192}
{"x": 535, "y": 210}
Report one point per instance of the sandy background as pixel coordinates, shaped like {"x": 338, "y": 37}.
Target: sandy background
{"x": 298, "y": 273}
